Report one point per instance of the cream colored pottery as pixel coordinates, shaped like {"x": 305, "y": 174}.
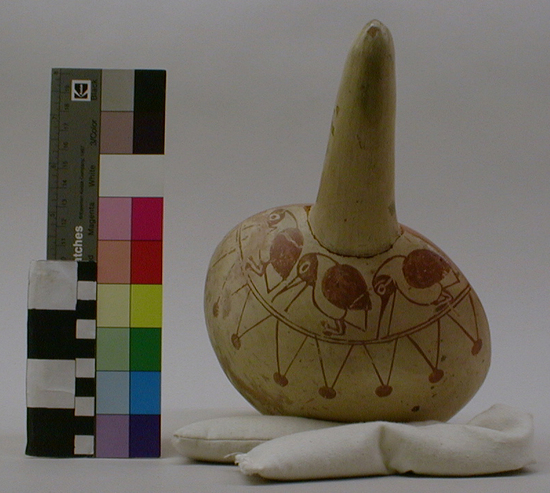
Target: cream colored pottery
{"x": 334, "y": 310}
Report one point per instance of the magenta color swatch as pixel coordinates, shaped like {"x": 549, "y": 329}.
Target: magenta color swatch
{"x": 147, "y": 218}
{"x": 112, "y": 435}
{"x": 115, "y": 218}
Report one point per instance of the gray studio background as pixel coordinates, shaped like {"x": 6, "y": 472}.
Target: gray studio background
{"x": 251, "y": 85}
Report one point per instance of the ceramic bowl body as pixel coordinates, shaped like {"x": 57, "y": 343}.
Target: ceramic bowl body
{"x": 301, "y": 331}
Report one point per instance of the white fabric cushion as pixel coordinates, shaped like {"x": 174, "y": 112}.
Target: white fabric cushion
{"x": 218, "y": 440}
{"x": 498, "y": 440}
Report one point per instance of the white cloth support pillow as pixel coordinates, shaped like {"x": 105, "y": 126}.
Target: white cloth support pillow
{"x": 287, "y": 448}
{"x": 218, "y": 440}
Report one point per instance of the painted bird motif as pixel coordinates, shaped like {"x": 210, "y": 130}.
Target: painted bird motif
{"x": 336, "y": 289}
{"x": 422, "y": 277}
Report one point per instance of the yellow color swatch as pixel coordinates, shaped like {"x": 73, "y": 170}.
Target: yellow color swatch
{"x": 146, "y": 305}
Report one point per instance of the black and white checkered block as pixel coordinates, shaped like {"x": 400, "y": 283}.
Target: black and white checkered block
{"x": 61, "y": 358}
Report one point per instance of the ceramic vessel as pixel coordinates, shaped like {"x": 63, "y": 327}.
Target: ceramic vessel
{"x": 335, "y": 310}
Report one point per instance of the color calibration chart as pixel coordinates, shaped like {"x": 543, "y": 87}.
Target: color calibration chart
{"x": 105, "y": 216}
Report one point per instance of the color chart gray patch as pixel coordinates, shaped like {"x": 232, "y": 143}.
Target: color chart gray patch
{"x": 118, "y": 90}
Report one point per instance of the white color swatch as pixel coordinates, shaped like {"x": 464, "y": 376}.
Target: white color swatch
{"x": 85, "y": 328}
{"x": 85, "y": 367}
{"x": 86, "y": 290}
{"x": 51, "y": 383}
{"x": 52, "y": 285}
{"x": 83, "y": 444}
{"x": 132, "y": 175}
{"x": 84, "y": 406}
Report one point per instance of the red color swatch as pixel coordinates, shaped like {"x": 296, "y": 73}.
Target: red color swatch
{"x": 146, "y": 262}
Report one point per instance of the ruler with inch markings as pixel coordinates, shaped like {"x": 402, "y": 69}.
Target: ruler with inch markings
{"x": 74, "y": 164}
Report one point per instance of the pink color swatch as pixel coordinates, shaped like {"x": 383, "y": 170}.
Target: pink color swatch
{"x": 115, "y": 218}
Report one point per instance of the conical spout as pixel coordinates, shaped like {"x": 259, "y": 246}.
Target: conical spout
{"x": 355, "y": 209}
